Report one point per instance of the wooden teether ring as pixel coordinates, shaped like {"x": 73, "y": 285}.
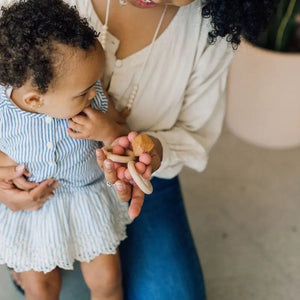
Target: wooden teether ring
{"x": 118, "y": 158}
{"x": 144, "y": 184}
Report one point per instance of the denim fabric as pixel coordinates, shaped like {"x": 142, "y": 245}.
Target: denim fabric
{"x": 159, "y": 259}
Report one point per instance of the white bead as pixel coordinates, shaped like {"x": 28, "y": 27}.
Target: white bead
{"x": 118, "y": 63}
{"x": 103, "y": 36}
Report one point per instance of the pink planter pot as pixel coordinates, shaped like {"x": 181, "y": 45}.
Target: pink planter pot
{"x": 264, "y": 97}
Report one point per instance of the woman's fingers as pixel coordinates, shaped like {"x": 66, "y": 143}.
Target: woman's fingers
{"x": 22, "y": 184}
{"x": 16, "y": 199}
{"x": 107, "y": 166}
{"x": 123, "y": 190}
{"x": 44, "y": 190}
{"x": 109, "y": 171}
{"x": 9, "y": 173}
{"x": 6, "y": 185}
{"x": 100, "y": 156}
{"x": 126, "y": 192}
{"x": 137, "y": 202}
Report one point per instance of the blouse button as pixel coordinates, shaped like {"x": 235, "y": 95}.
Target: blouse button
{"x": 118, "y": 63}
{"x": 48, "y": 119}
{"x": 49, "y": 145}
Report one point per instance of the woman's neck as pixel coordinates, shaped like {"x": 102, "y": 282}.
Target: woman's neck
{"x": 133, "y": 26}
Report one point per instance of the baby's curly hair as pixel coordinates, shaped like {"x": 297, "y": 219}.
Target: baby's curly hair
{"x": 233, "y": 18}
{"x": 27, "y": 32}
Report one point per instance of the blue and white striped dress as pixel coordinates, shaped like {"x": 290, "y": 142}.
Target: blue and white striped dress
{"x": 83, "y": 219}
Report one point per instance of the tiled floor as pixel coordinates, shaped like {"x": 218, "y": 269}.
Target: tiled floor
{"x": 244, "y": 211}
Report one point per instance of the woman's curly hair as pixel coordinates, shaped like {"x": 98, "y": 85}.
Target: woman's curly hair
{"x": 27, "y": 32}
{"x": 233, "y": 18}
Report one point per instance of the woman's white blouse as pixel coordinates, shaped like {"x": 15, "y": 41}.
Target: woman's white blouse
{"x": 181, "y": 92}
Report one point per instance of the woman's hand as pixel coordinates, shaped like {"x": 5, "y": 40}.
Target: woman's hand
{"x": 17, "y": 181}
{"x": 16, "y": 192}
{"x": 96, "y": 125}
{"x": 17, "y": 199}
{"x": 125, "y": 187}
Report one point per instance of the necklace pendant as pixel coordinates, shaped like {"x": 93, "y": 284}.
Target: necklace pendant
{"x": 125, "y": 112}
{"x": 123, "y": 2}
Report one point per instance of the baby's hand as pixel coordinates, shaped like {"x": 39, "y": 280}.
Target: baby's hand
{"x": 95, "y": 125}
{"x": 92, "y": 124}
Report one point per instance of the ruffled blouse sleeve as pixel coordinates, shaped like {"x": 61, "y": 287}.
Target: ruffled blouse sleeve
{"x": 200, "y": 120}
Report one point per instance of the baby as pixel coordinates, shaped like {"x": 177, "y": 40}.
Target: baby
{"x": 51, "y": 64}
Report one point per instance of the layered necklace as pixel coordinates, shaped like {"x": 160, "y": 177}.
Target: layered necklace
{"x": 135, "y": 83}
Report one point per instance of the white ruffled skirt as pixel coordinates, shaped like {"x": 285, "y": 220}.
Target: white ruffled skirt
{"x": 75, "y": 224}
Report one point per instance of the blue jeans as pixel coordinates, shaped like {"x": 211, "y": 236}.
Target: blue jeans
{"x": 159, "y": 259}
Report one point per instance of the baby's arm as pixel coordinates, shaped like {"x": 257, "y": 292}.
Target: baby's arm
{"x": 97, "y": 125}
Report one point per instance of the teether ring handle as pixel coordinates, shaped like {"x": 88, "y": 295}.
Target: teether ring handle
{"x": 118, "y": 158}
{"x": 144, "y": 184}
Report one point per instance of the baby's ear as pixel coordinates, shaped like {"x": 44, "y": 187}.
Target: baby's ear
{"x": 33, "y": 100}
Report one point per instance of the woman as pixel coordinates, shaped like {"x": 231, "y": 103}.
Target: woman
{"x": 169, "y": 81}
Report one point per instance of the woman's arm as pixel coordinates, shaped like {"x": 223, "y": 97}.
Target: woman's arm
{"x": 197, "y": 127}
{"x": 200, "y": 119}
